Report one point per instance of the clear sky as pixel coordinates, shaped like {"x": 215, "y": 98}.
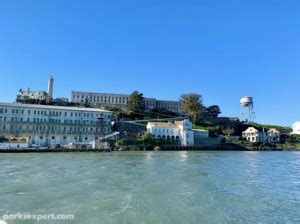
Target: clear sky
{"x": 221, "y": 49}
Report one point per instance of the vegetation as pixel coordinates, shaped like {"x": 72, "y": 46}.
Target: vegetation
{"x": 142, "y": 140}
{"x": 213, "y": 111}
{"x": 192, "y": 105}
{"x": 136, "y": 102}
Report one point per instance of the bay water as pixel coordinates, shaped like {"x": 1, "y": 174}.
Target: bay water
{"x": 153, "y": 187}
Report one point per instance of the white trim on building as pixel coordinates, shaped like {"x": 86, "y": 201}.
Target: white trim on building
{"x": 254, "y": 135}
{"x": 51, "y": 125}
{"x": 121, "y": 101}
{"x": 180, "y": 131}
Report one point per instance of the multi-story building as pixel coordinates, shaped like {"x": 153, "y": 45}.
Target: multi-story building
{"x": 254, "y": 135}
{"x": 52, "y": 125}
{"x": 179, "y": 131}
{"x": 296, "y": 128}
{"x": 121, "y": 101}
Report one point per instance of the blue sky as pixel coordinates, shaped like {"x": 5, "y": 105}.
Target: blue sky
{"x": 221, "y": 49}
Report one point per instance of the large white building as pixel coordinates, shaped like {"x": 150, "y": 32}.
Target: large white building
{"x": 180, "y": 131}
{"x": 254, "y": 135}
{"x": 296, "y": 128}
{"x": 121, "y": 101}
{"x": 52, "y": 125}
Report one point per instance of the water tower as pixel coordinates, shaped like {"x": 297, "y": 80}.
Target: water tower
{"x": 247, "y": 109}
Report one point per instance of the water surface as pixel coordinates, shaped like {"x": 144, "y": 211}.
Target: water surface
{"x": 154, "y": 187}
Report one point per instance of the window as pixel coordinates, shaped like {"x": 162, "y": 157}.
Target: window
{"x": 53, "y": 137}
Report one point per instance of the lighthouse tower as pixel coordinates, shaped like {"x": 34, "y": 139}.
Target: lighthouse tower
{"x": 50, "y": 88}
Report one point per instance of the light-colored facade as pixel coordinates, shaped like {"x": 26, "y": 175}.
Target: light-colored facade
{"x": 296, "y": 128}
{"x": 15, "y": 143}
{"x": 50, "y": 87}
{"x": 254, "y": 135}
{"x": 180, "y": 131}
{"x": 52, "y": 125}
{"x": 37, "y": 95}
{"x": 273, "y": 135}
{"x": 27, "y": 94}
{"x": 121, "y": 101}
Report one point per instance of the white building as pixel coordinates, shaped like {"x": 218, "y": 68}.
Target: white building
{"x": 273, "y": 135}
{"x": 296, "y": 128}
{"x": 14, "y": 143}
{"x": 121, "y": 101}
{"x": 52, "y": 125}
{"x": 37, "y": 95}
{"x": 27, "y": 94}
{"x": 254, "y": 135}
{"x": 180, "y": 131}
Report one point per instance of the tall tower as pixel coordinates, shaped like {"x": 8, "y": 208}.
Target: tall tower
{"x": 50, "y": 88}
{"x": 247, "y": 109}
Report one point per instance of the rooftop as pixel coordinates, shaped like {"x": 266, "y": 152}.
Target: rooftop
{"x": 52, "y": 107}
{"x": 163, "y": 125}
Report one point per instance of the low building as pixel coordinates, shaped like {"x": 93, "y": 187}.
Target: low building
{"x": 47, "y": 126}
{"x": 199, "y": 135}
{"x": 179, "y": 131}
{"x": 121, "y": 101}
{"x": 254, "y": 135}
{"x": 61, "y": 100}
{"x": 296, "y": 128}
{"x": 14, "y": 143}
{"x": 273, "y": 135}
{"x": 27, "y": 94}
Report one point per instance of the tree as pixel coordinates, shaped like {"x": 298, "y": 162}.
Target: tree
{"x": 136, "y": 102}
{"x": 228, "y": 131}
{"x": 192, "y": 105}
{"x": 213, "y": 111}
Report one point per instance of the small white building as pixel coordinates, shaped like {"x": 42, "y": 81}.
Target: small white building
{"x": 27, "y": 94}
{"x": 254, "y": 135}
{"x": 296, "y": 128}
{"x": 273, "y": 135}
{"x": 180, "y": 131}
{"x": 14, "y": 143}
{"x": 24, "y": 95}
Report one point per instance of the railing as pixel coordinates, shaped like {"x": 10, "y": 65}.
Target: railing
{"x": 96, "y": 124}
